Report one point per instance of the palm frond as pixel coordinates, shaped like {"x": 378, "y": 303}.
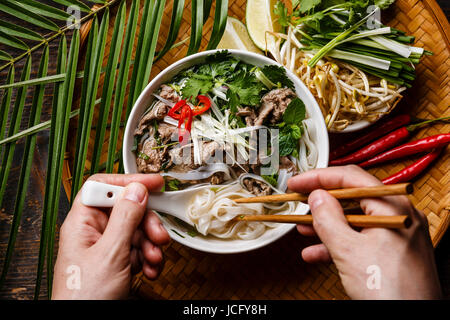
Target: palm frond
{"x": 87, "y": 108}
{"x": 12, "y": 41}
{"x": 20, "y": 32}
{"x": 196, "y": 26}
{"x": 13, "y": 8}
{"x": 30, "y": 144}
{"x": 34, "y": 129}
{"x": 108, "y": 85}
{"x": 76, "y": 3}
{"x": 57, "y": 108}
{"x": 14, "y": 126}
{"x": 220, "y": 22}
{"x": 175, "y": 23}
{"x": 43, "y": 9}
{"x": 4, "y": 108}
{"x": 122, "y": 78}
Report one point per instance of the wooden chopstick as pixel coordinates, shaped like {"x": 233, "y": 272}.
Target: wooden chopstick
{"x": 364, "y": 221}
{"x": 348, "y": 193}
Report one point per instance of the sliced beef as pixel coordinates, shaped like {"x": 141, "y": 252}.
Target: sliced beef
{"x": 151, "y": 159}
{"x": 166, "y": 132}
{"x": 169, "y": 93}
{"x": 208, "y": 150}
{"x": 258, "y": 188}
{"x": 286, "y": 163}
{"x": 158, "y": 112}
{"x": 273, "y": 105}
{"x": 182, "y": 163}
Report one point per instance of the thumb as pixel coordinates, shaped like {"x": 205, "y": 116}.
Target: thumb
{"x": 126, "y": 215}
{"x": 329, "y": 221}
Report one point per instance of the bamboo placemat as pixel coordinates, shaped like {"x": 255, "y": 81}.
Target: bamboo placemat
{"x": 277, "y": 271}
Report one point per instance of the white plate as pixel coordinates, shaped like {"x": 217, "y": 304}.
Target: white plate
{"x": 212, "y": 244}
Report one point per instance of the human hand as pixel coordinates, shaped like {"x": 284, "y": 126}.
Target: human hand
{"x": 108, "y": 245}
{"x": 404, "y": 257}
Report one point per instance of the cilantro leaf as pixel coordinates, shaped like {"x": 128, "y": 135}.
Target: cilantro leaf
{"x": 277, "y": 75}
{"x": 295, "y": 112}
{"x": 280, "y": 10}
{"x": 247, "y": 88}
{"x": 306, "y": 5}
{"x": 197, "y": 84}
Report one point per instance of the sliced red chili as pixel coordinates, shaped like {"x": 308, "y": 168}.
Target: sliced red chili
{"x": 179, "y": 105}
{"x": 199, "y": 109}
{"x": 186, "y": 119}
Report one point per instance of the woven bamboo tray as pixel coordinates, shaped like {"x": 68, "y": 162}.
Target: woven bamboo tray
{"x": 277, "y": 271}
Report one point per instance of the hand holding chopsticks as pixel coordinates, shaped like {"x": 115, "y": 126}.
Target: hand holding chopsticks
{"x": 402, "y": 221}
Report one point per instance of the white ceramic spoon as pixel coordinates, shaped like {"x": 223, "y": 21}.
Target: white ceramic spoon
{"x": 174, "y": 203}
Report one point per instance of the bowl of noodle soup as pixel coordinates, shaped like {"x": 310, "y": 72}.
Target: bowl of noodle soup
{"x": 148, "y": 149}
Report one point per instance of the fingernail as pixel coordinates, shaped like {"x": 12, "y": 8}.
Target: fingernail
{"x": 315, "y": 201}
{"x": 135, "y": 192}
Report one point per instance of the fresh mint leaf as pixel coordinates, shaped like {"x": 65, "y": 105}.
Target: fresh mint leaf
{"x": 295, "y": 112}
{"x": 277, "y": 75}
{"x": 296, "y": 132}
{"x": 287, "y": 144}
{"x": 197, "y": 84}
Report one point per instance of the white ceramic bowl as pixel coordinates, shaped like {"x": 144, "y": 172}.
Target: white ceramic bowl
{"x": 211, "y": 244}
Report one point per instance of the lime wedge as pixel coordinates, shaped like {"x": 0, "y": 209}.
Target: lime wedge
{"x": 259, "y": 19}
{"x": 236, "y": 37}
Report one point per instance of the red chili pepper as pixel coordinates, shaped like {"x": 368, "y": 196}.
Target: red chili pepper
{"x": 385, "y": 127}
{"x": 410, "y": 148}
{"x": 413, "y": 170}
{"x": 186, "y": 119}
{"x": 179, "y": 105}
{"x": 385, "y": 143}
{"x": 206, "y": 105}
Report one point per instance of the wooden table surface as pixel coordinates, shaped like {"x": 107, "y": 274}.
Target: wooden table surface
{"x": 22, "y": 272}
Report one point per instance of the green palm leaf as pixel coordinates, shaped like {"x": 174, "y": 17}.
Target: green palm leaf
{"x": 175, "y": 22}
{"x": 220, "y": 22}
{"x": 97, "y": 41}
{"x": 12, "y": 41}
{"x": 4, "y": 107}
{"x": 18, "y": 31}
{"x": 14, "y": 127}
{"x": 77, "y": 3}
{"x": 62, "y": 134}
{"x": 122, "y": 78}
{"x": 57, "y": 115}
{"x": 207, "y": 4}
{"x": 34, "y": 129}
{"x": 12, "y": 8}
{"x": 196, "y": 26}
{"x": 5, "y": 56}
{"x": 36, "y": 81}
{"x": 30, "y": 145}
{"x": 43, "y": 9}
{"x": 108, "y": 85}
